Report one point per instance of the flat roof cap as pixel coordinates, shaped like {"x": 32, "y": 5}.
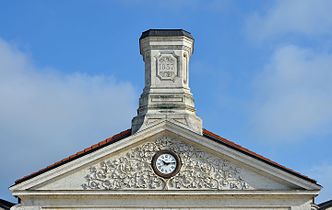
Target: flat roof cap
{"x": 166, "y": 32}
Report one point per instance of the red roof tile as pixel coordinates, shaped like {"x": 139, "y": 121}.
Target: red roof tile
{"x": 127, "y": 133}
{"x": 239, "y": 148}
{"x": 79, "y": 154}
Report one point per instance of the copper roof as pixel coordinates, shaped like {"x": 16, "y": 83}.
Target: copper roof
{"x": 127, "y": 133}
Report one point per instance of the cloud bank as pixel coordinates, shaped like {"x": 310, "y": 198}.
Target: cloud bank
{"x": 46, "y": 114}
{"x": 293, "y": 91}
{"x": 309, "y": 18}
{"x": 293, "y": 95}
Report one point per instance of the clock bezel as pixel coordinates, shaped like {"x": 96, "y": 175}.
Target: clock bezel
{"x": 159, "y": 173}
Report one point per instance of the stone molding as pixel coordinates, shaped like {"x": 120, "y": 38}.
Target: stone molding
{"x": 133, "y": 171}
{"x": 166, "y": 61}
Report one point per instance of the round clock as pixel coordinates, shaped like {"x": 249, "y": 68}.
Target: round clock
{"x": 166, "y": 163}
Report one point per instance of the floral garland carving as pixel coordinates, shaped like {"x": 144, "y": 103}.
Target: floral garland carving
{"x": 200, "y": 170}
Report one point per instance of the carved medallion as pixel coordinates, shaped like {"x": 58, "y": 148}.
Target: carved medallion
{"x": 167, "y": 67}
{"x": 133, "y": 170}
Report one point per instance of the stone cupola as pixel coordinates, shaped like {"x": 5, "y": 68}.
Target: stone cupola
{"x": 166, "y": 95}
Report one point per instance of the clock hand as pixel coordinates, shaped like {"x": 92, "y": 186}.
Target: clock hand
{"x": 165, "y": 163}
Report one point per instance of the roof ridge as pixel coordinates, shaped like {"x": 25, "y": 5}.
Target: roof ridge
{"x": 244, "y": 150}
{"x": 81, "y": 153}
{"x": 126, "y": 133}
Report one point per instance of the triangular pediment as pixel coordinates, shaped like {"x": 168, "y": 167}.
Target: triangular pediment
{"x": 126, "y": 165}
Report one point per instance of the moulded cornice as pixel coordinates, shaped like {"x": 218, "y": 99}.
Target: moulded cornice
{"x": 183, "y": 133}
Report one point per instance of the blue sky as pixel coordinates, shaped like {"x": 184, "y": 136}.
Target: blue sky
{"x": 71, "y": 75}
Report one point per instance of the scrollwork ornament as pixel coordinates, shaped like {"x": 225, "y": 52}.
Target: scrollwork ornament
{"x": 199, "y": 171}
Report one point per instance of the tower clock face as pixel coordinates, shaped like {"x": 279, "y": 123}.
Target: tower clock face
{"x": 166, "y": 163}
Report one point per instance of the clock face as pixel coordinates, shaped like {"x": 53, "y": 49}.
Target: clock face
{"x": 166, "y": 163}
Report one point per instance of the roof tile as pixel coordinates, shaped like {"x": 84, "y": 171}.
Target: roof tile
{"x": 107, "y": 141}
{"x": 233, "y": 145}
{"x": 127, "y": 133}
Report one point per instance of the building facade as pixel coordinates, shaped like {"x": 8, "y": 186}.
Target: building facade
{"x": 5, "y": 205}
{"x": 166, "y": 160}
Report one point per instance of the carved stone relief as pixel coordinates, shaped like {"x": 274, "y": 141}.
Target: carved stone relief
{"x": 167, "y": 67}
{"x": 133, "y": 170}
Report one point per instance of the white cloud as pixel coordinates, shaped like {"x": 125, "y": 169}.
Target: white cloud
{"x": 46, "y": 114}
{"x": 310, "y": 17}
{"x": 294, "y": 95}
{"x": 322, "y": 173}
